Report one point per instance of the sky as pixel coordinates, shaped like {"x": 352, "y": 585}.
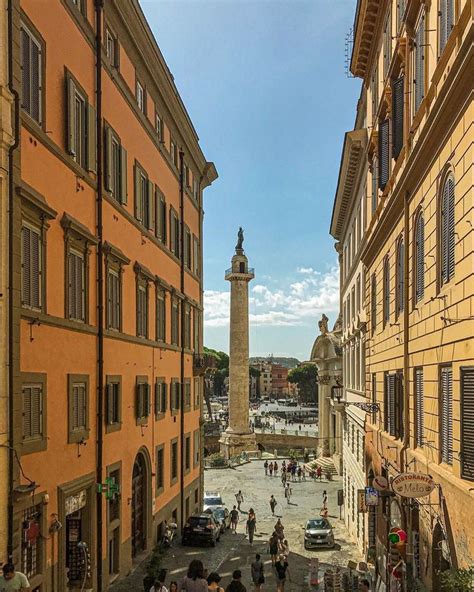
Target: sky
{"x": 264, "y": 83}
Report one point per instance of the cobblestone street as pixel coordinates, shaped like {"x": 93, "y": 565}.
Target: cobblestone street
{"x": 235, "y": 551}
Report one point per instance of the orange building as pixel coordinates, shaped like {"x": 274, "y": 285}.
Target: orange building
{"x": 106, "y": 295}
{"x": 279, "y": 380}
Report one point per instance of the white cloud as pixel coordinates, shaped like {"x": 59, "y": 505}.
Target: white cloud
{"x": 297, "y": 303}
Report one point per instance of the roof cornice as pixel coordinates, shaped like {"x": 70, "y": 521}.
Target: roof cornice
{"x": 365, "y": 29}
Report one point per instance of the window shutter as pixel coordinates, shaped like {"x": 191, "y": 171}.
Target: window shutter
{"x": 81, "y": 295}
{"x": 420, "y": 63}
{"x": 392, "y": 411}
{"x": 147, "y": 400}
{"x": 164, "y": 397}
{"x": 108, "y": 158}
{"x": 447, "y": 415}
{"x": 138, "y": 401}
{"x": 373, "y": 299}
{"x": 172, "y": 232}
{"x": 443, "y": 26}
{"x": 36, "y": 268}
{"x": 123, "y": 176}
{"x": 157, "y": 402}
{"x": 383, "y": 153}
{"x": 449, "y": 17}
{"x": 450, "y": 228}
{"x": 386, "y": 291}
{"x": 26, "y": 266}
{"x": 27, "y": 395}
{"x": 467, "y": 423}
{"x": 397, "y": 113}
{"x": 138, "y": 196}
{"x": 172, "y": 396}
{"x": 71, "y": 124}
{"x": 110, "y": 403}
{"x": 420, "y": 258}
{"x": 71, "y": 276}
{"x": 419, "y": 394}
{"x": 36, "y": 90}
{"x": 374, "y": 184}
{"x": 36, "y": 412}
{"x": 91, "y": 139}
{"x": 400, "y": 276}
{"x": 151, "y": 206}
{"x": 25, "y": 71}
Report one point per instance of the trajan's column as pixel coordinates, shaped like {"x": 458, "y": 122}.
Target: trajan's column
{"x": 238, "y": 436}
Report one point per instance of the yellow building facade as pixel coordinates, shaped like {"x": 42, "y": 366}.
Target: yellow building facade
{"x": 416, "y": 61}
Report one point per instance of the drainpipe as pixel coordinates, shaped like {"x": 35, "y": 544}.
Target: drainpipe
{"x": 181, "y": 378}
{"x": 406, "y": 327}
{"x": 13, "y": 147}
{"x": 100, "y": 291}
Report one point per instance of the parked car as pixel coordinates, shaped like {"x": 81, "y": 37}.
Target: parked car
{"x": 318, "y": 533}
{"x": 222, "y": 516}
{"x": 212, "y": 499}
{"x": 201, "y": 528}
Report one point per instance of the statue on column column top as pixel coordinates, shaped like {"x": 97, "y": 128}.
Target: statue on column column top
{"x": 240, "y": 239}
{"x": 323, "y": 325}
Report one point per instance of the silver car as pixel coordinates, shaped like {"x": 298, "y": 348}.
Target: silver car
{"x": 318, "y": 533}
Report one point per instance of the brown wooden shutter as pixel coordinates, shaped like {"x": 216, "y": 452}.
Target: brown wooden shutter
{"x": 138, "y": 401}
{"x": 71, "y": 109}
{"x": 450, "y": 231}
{"x": 25, "y": 71}
{"x": 164, "y": 397}
{"x": 147, "y": 401}
{"x": 110, "y": 403}
{"x": 398, "y": 97}
{"x": 91, "y": 139}
{"x": 71, "y": 276}
{"x": 373, "y": 302}
{"x": 392, "y": 407}
{"x": 138, "y": 194}
{"x": 123, "y": 176}
{"x": 151, "y": 206}
{"x": 26, "y": 266}
{"x": 446, "y": 428}
{"x": 419, "y": 406}
{"x": 384, "y": 164}
{"x": 27, "y": 395}
{"x": 467, "y": 423}
{"x": 36, "y": 269}
{"x": 36, "y": 411}
{"x": 108, "y": 152}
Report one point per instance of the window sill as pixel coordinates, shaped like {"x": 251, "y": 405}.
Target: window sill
{"x": 113, "y": 427}
{"x": 142, "y": 421}
{"x": 32, "y": 446}
{"x": 159, "y": 416}
{"x": 78, "y": 436}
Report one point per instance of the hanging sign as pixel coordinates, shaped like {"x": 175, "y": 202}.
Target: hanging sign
{"x": 371, "y": 496}
{"x": 361, "y": 505}
{"x": 413, "y": 485}
{"x": 73, "y": 503}
{"x": 380, "y": 483}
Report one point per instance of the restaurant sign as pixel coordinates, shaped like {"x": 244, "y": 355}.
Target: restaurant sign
{"x": 73, "y": 503}
{"x": 413, "y": 485}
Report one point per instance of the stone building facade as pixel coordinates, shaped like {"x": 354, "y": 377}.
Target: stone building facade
{"x": 107, "y": 294}
{"x": 415, "y": 59}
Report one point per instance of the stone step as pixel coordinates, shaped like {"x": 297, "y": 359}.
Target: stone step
{"x": 326, "y": 463}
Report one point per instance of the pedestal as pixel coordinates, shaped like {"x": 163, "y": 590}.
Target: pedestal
{"x": 233, "y": 444}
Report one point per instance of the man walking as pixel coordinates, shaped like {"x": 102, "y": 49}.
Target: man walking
{"x": 265, "y": 466}
{"x": 273, "y": 504}
{"x": 234, "y": 519}
{"x": 239, "y": 499}
{"x": 325, "y": 499}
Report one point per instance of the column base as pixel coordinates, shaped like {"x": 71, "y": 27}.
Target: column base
{"x": 232, "y": 444}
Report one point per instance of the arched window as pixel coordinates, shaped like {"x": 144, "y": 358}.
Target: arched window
{"x": 386, "y": 290}
{"x": 399, "y": 296}
{"x": 373, "y": 304}
{"x": 419, "y": 258}
{"x": 447, "y": 231}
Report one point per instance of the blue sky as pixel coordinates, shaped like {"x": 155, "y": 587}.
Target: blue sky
{"x": 265, "y": 86}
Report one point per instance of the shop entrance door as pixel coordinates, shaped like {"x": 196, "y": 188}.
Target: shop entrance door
{"x": 138, "y": 506}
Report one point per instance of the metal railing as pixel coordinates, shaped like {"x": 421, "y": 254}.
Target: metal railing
{"x": 250, "y": 271}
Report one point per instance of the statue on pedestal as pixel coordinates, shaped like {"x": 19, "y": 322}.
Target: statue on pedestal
{"x": 240, "y": 239}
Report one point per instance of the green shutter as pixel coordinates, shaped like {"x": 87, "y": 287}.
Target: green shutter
{"x": 108, "y": 158}
{"x": 123, "y": 176}
{"x": 70, "y": 114}
{"x": 151, "y": 206}
{"x": 138, "y": 196}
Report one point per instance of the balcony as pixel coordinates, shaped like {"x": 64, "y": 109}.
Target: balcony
{"x": 248, "y": 273}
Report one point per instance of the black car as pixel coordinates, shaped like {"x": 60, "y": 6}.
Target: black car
{"x": 201, "y": 528}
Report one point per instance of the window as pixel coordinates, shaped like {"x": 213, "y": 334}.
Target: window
{"x": 374, "y": 396}
{"x": 187, "y": 453}
{"x": 195, "y": 189}
{"x": 175, "y": 234}
{"x": 175, "y": 396}
{"x": 78, "y": 394}
{"x": 375, "y": 188}
{"x": 112, "y": 49}
{"x": 419, "y": 256}
{"x": 374, "y": 92}
{"x": 196, "y": 330}
{"x": 161, "y": 226}
{"x": 140, "y": 95}
{"x": 159, "y": 126}
{"x": 187, "y": 394}
{"x": 401, "y": 5}
{"x": 81, "y": 126}
{"x": 31, "y": 547}
{"x": 160, "y": 469}
{"x": 113, "y": 403}
{"x": 76, "y": 285}
{"x": 175, "y": 304}
{"x": 32, "y": 411}
{"x": 142, "y": 400}
{"x": 81, "y": 5}
{"x": 446, "y": 22}
{"x": 446, "y": 415}
{"x": 386, "y": 290}
{"x": 387, "y": 44}
{"x": 161, "y": 397}
{"x": 114, "y": 499}
{"x": 419, "y": 59}
{"x": 393, "y": 404}
{"x": 174, "y": 461}
{"x": 187, "y": 249}
{"x": 196, "y": 253}
{"x": 398, "y": 101}
{"x": 197, "y": 444}
{"x": 467, "y": 423}
{"x": 187, "y": 326}
{"x": 197, "y": 393}
{"x": 186, "y": 175}
{"x": 384, "y": 154}
{"x": 114, "y": 300}
{"x": 174, "y": 152}
{"x": 419, "y": 407}
{"x": 447, "y": 236}
{"x": 160, "y": 315}
{"x": 400, "y": 289}
{"x": 115, "y": 177}
{"x": 31, "y": 267}
{"x": 144, "y": 199}
{"x": 142, "y": 308}
{"x": 31, "y": 75}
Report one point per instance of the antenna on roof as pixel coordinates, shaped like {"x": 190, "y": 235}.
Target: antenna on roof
{"x": 348, "y": 45}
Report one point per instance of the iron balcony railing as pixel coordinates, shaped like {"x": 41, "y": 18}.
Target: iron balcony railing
{"x": 250, "y": 270}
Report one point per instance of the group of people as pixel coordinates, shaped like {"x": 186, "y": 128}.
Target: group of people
{"x": 290, "y": 471}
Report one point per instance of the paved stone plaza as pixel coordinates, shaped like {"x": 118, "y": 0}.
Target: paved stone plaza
{"x": 235, "y": 551}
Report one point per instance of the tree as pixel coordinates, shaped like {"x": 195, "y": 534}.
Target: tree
{"x": 214, "y": 377}
{"x": 305, "y": 376}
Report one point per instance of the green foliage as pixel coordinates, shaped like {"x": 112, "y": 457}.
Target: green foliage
{"x": 221, "y": 357}
{"x": 216, "y": 460}
{"x": 457, "y": 580}
{"x": 305, "y": 377}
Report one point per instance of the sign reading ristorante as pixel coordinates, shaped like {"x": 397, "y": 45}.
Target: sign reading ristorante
{"x": 413, "y": 485}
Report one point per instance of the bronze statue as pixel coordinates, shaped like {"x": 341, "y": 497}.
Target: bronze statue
{"x": 240, "y": 239}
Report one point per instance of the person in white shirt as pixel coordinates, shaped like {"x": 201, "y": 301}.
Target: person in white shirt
{"x": 13, "y": 581}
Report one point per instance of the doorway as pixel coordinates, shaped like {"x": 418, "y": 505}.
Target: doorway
{"x": 139, "y": 522}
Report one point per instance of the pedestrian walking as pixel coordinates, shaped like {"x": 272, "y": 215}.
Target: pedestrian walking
{"x": 324, "y": 513}
{"x": 284, "y": 548}
{"x": 273, "y": 547}
{"x": 236, "y": 584}
{"x": 283, "y": 466}
{"x": 257, "y": 572}
{"x": 319, "y": 473}
{"x": 288, "y": 493}
{"x": 12, "y": 579}
{"x": 234, "y": 519}
{"x": 251, "y": 525}
{"x": 194, "y": 580}
{"x": 281, "y": 568}
{"x": 270, "y": 469}
{"x": 303, "y": 473}
{"x": 265, "y": 466}
{"x": 283, "y": 477}
{"x": 293, "y": 472}
{"x": 299, "y": 473}
{"x": 239, "y": 498}
{"x": 275, "y": 468}
{"x": 213, "y": 580}
{"x": 273, "y": 504}
{"x": 279, "y": 528}
{"x": 325, "y": 499}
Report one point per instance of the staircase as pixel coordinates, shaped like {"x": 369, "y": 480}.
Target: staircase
{"x": 325, "y": 462}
